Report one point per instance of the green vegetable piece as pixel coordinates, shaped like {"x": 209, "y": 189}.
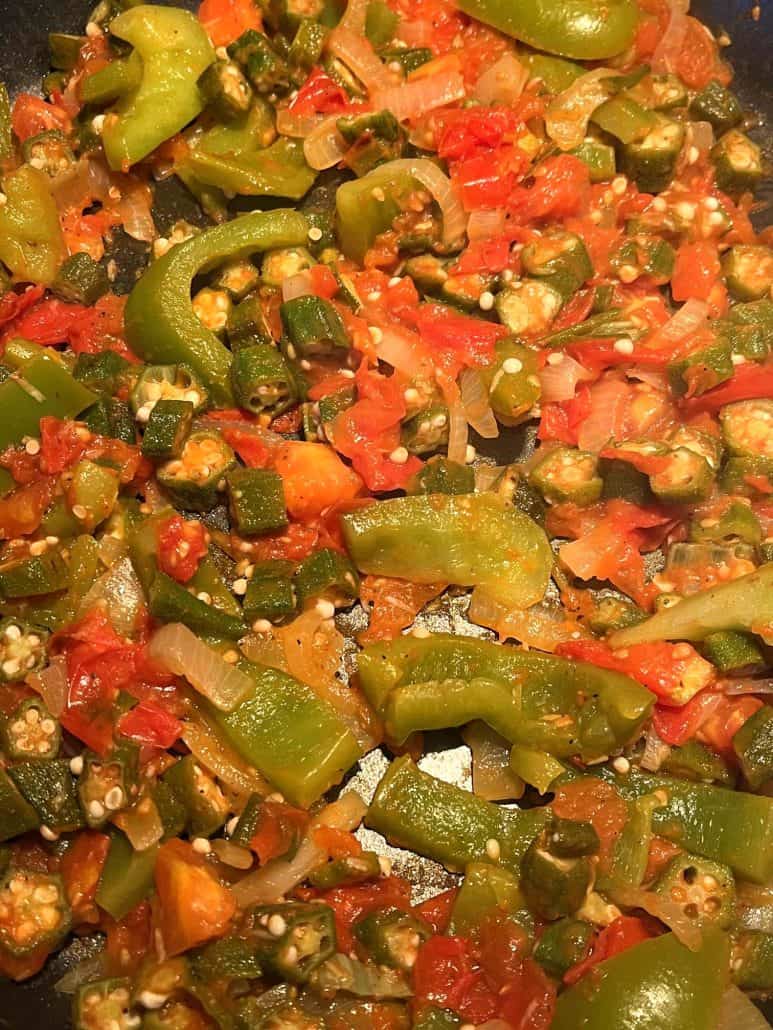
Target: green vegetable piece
{"x": 30, "y": 731}
{"x": 263, "y": 382}
{"x": 694, "y": 761}
{"x": 22, "y": 651}
{"x": 686, "y": 478}
{"x": 106, "y": 85}
{"x": 558, "y": 258}
{"x": 31, "y": 244}
{"x": 373, "y": 138}
{"x": 196, "y": 478}
{"x": 556, "y": 871}
{"x": 313, "y": 327}
{"x": 92, "y": 493}
{"x": 737, "y": 163}
{"x": 328, "y": 575}
{"x": 30, "y": 577}
{"x": 166, "y": 382}
{"x": 748, "y": 271}
{"x": 6, "y": 129}
{"x": 17, "y": 815}
{"x": 49, "y": 152}
{"x": 103, "y": 372}
{"x": 433, "y": 1018}
{"x": 106, "y": 785}
{"x": 292, "y": 949}
{"x": 623, "y": 118}
{"x": 537, "y": 768}
{"x": 567, "y": 474}
{"x": 751, "y": 963}
{"x": 529, "y": 306}
{"x": 736, "y": 523}
{"x": 206, "y": 805}
{"x": 748, "y": 477}
{"x": 380, "y": 23}
{"x": 752, "y": 746}
{"x": 167, "y": 429}
{"x": 175, "y": 50}
{"x": 427, "y": 431}
{"x": 409, "y": 58}
{"x": 279, "y": 170}
{"x": 161, "y": 325}
{"x": 391, "y": 937}
{"x": 264, "y": 67}
{"x": 64, "y": 50}
{"x": 256, "y": 500}
{"x": 599, "y": 157}
{"x": 368, "y": 206}
{"x": 647, "y": 255}
{"x": 562, "y": 945}
{"x": 732, "y": 651}
{"x": 486, "y": 889}
{"x": 651, "y": 161}
{"x": 441, "y": 476}
{"x": 170, "y": 602}
{"x": 237, "y": 278}
{"x": 718, "y": 106}
{"x": 36, "y": 913}
{"x": 127, "y": 876}
{"x": 269, "y": 598}
{"x": 296, "y": 740}
{"x": 703, "y": 890}
{"x": 48, "y": 785}
{"x": 226, "y": 91}
{"x": 347, "y": 870}
{"x": 747, "y": 427}
{"x": 307, "y": 46}
{"x": 102, "y": 1003}
{"x": 471, "y": 540}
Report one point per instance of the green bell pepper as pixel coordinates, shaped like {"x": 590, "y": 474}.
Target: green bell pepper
{"x": 581, "y": 29}
{"x": 175, "y": 50}
{"x": 470, "y": 540}
{"x": 415, "y": 811}
{"x": 485, "y": 889}
{"x": 752, "y": 747}
{"x": 161, "y": 325}
{"x": 31, "y": 244}
{"x": 127, "y": 876}
{"x": 276, "y": 171}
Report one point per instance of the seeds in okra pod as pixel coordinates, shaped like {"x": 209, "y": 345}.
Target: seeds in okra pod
{"x": 511, "y": 379}
{"x": 567, "y": 474}
{"x": 263, "y": 382}
{"x": 747, "y": 427}
{"x": 293, "y": 939}
{"x": 237, "y": 278}
{"x": 348, "y": 869}
{"x": 33, "y": 576}
{"x": 737, "y": 162}
{"x": 166, "y": 382}
{"x": 391, "y": 937}
{"x": 49, "y": 787}
{"x": 103, "y": 1004}
{"x": 441, "y": 476}
{"x": 103, "y": 787}
{"x": 748, "y": 271}
{"x": 34, "y": 911}
{"x": 703, "y": 890}
{"x": 194, "y": 479}
{"x": 22, "y": 649}
{"x": 527, "y": 308}
{"x": 313, "y": 327}
{"x": 49, "y": 151}
{"x": 212, "y": 308}
{"x": 326, "y": 575}
{"x": 427, "y": 431}
{"x": 226, "y": 90}
{"x": 30, "y": 731}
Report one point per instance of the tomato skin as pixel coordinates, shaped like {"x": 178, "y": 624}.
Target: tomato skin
{"x": 456, "y": 341}
{"x": 437, "y": 911}
{"x": 749, "y": 382}
{"x": 698, "y": 61}
{"x": 696, "y": 270}
{"x": 13, "y": 304}
{"x": 621, "y": 934}
{"x": 474, "y": 131}
{"x": 678, "y": 725}
{"x": 561, "y": 190}
{"x": 81, "y": 868}
{"x": 718, "y": 730}
{"x": 128, "y": 940}
{"x": 280, "y": 830}
{"x": 442, "y": 972}
{"x": 31, "y": 115}
{"x": 250, "y": 448}
{"x": 225, "y": 20}
{"x": 351, "y": 903}
{"x": 594, "y": 801}
{"x": 150, "y": 724}
{"x": 561, "y": 420}
{"x": 182, "y": 543}
{"x": 21, "y": 512}
{"x": 528, "y": 1001}
{"x": 193, "y": 905}
{"x": 319, "y": 95}
{"x": 61, "y": 445}
{"x": 393, "y": 604}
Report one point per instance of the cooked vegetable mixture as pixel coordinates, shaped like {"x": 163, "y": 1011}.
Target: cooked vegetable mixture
{"x": 371, "y": 369}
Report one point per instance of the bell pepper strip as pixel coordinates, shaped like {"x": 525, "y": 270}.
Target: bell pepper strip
{"x": 295, "y": 739}
{"x": 414, "y": 810}
{"x": 127, "y": 876}
{"x": 657, "y": 984}
{"x": 175, "y": 50}
{"x": 161, "y": 326}
{"x": 194, "y": 905}
{"x": 711, "y": 821}
{"x": 31, "y": 244}
{"x": 41, "y": 387}
{"x": 472, "y": 540}
{"x": 279, "y": 170}
{"x": 437, "y": 681}
{"x": 743, "y": 605}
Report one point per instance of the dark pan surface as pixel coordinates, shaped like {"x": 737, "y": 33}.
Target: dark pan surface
{"x": 23, "y": 62}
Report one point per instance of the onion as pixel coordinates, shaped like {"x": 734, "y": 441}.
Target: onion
{"x": 299, "y": 285}
{"x": 231, "y": 854}
{"x": 211, "y": 750}
{"x": 404, "y": 351}
{"x": 430, "y": 176}
{"x": 134, "y": 209}
{"x": 691, "y": 317}
{"x": 701, "y": 136}
{"x": 288, "y": 123}
{"x": 111, "y": 549}
{"x": 484, "y": 223}
{"x": 457, "y": 433}
{"x": 52, "y": 685}
{"x": 491, "y": 775}
{"x": 265, "y": 649}
{"x": 279, "y": 877}
{"x": 359, "y": 57}
{"x": 667, "y": 51}
{"x": 656, "y": 751}
{"x": 559, "y": 381}
{"x": 503, "y": 82}
{"x": 608, "y": 399}
{"x": 738, "y": 1012}
{"x": 477, "y": 409}
{"x": 120, "y": 592}
{"x": 91, "y": 968}
{"x": 747, "y": 685}
{"x": 543, "y": 625}
{"x": 354, "y": 16}
{"x": 668, "y": 912}
{"x": 415, "y": 33}
{"x": 180, "y": 651}
{"x": 141, "y": 824}
{"x": 324, "y": 146}
{"x": 567, "y": 116}
{"x": 488, "y": 476}
{"x": 421, "y": 95}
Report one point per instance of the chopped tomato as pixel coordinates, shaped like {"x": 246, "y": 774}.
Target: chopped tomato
{"x": 279, "y": 830}
{"x": 749, "y": 382}
{"x": 225, "y": 20}
{"x": 128, "y": 940}
{"x": 487, "y": 180}
{"x": 501, "y": 945}
{"x": 623, "y": 933}
{"x": 456, "y": 341}
{"x": 576, "y": 310}
{"x": 592, "y": 800}
{"x": 314, "y": 478}
{"x": 352, "y": 903}
{"x": 528, "y": 1000}
{"x": 560, "y": 189}
{"x": 253, "y": 450}
{"x": 472, "y": 131}
{"x": 319, "y": 95}
{"x": 678, "y": 725}
{"x": 294, "y": 543}
{"x": 150, "y": 724}
{"x": 87, "y": 330}
{"x": 62, "y": 443}
{"x": 696, "y": 270}
{"x": 193, "y": 905}
{"x": 561, "y": 420}
{"x": 718, "y": 730}
{"x": 437, "y": 911}
{"x": 698, "y": 61}
{"x": 443, "y": 972}
{"x": 81, "y": 868}
{"x": 31, "y": 116}
{"x": 13, "y": 304}
{"x": 323, "y": 282}
{"x": 490, "y": 256}
{"x": 22, "y": 510}
{"x": 337, "y": 843}
{"x": 393, "y": 604}
{"x": 182, "y": 543}
{"x": 661, "y": 852}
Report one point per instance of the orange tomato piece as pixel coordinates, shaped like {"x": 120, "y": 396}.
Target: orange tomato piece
{"x": 193, "y": 905}
{"x": 314, "y": 478}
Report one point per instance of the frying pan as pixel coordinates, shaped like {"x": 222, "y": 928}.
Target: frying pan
{"x": 35, "y": 1005}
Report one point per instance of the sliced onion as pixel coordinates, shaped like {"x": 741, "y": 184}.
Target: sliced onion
{"x": 421, "y": 95}
{"x": 134, "y": 209}
{"x": 90, "y": 968}
{"x": 669, "y": 46}
{"x": 110, "y": 549}
{"x": 738, "y": 1012}
{"x": 404, "y": 351}
{"x": 559, "y": 381}
{"x": 289, "y": 123}
{"x": 324, "y": 146}
{"x": 667, "y": 911}
{"x": 747, "y": 685}
{"x": 567, "y": 116}
{"x": 299, "y": 285}
{"x": 52, "y": 685}
{"x": 487, "y": 476}
{"x": 503, "y": 82}
{"x": 211, "y": 750}
{"x": 477, "y": 409}
{"x": 430, "y": 176}
{"x": 232, "y": 855}
{"x": 656, "y": 751}
{"x": 354, "y": 16}
{"x": 701, "y": 136}
{"x": 691, "y": 317}
{"x": 141, "y": 824}
{"x": 608, "y": 399}
{"x": 491, "y": 775}
{"x": 180, "y": 651}
{"x": 457, "y": 433}
{"x": 484, "y": 223}
{"x": 543, "y": 625}
{"x": 279, "y": 877}
{"x": 120, "y": 592}
{"x": 417, "y": 33}
{"x": 359, "y": 57}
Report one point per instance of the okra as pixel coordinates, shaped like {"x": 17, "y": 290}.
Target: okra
{"x": 328, "y": 575}
{"x": 263, "y": 382}
{"x": 206, "y": 805}
{"x": 167, "y": 429}
{"x": 30, "y": 731}
{"x": 80, "y": 280}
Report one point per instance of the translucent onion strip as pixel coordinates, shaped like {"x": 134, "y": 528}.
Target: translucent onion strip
{"x": 180, "y": 651}
{"x": 422, "y": 95}
{"x": 437, "y": 182}
{"x": 503, "y": 82}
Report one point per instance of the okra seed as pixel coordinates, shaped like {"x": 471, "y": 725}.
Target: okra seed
{"x": 623, "y": 346}
{"x": 628, "y": 274}
{"x": 240, "y": 586}
{"x": 262, "y": 626}
{"x": 11, "y": 667}
{"x": 231, "y": 825}
{"x": 79, "y": 511}
{"x": 47, "y": 834}
{"x": 486, "y": 300}
{"x": 394, "y": 281}
{"x": 621, "y": 765}
{"x": 32, "y": 446}
{"x": 277, "y": 927}
{"x": 420, "y": 632}
{"x": 470, "y": 454}
{"x": 32, "y": 715}
{"x": 13, "y": 632}
{"x": 375, "y": 334}
{"x": 38, "y": 547}
{"x": 399, "y": 455}
{"x": 711, "y": 203}
{"x": 201, "y": 845}
{"x": 151, "y": 1000}
{"x": 232, "y": 657}
{"x": 291, "y": 954}
{"x": 276, "y": 797}
{"x": 493, "y": 849}
{"x": 96, "y": 810}
{"x": 114, "y": 799}
{"x": 76, "y": 765}
{"x": 93, "y": 30}
{"x": 512, "y": 366}
{"x": 324, "y": 608}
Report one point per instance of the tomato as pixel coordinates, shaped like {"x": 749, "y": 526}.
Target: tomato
{"x": 678, "y": 725}
{"x": 698, "y": 61}
{"x": 62, "y": 443}
{"x": 13, "y": 304}
{"x": 437, "y": 911}
{"x": 576, "y": 310}
{"x": 81, "y": 868}
{"x": 487, "y": 180}
{"x": 128, "y": 940}
{"x": 323, "y": 283}
{"x": 279, "y": 830}
{"x": 501, "y": 946}
{"x": 150, "y": 724}
{"x": 594, "y": 801}
{"x": 561, "y": 420}
{"x": 393, "y": 604}
{"x": 352, "y": 903}
{"x": 696, "y": 270}
{"x": 718, "y": 730}
{"x": 337, "y": 843}
{"x": 294, "y": 543}
{"x": 489, "y": 257}
{"x": 193, "y": 905}
{"x": 660, "y": 854}
{"x": 474, "y": 131}
{"x": 319, "y": 95}
{"x": 253, "y": 451}
{"x": 182, "y": 543}
{"x": 623, "y": 933}
{"x": 25, "y": 966}
{"x": 329, "y": 384}
{"x": 31, "y": 116}
{"x": 21, "y": 511}
{"x": 225, "y": 20}
{"x": 314, "y": 478}
{"x": 443, "y": 972}
{"x": 87, "y": 330}
{"x": 749, "y": 382}
{"x": 456, "y": 340}
{"x": 560, "y": 189}
{"x": 528, "y": 1001}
